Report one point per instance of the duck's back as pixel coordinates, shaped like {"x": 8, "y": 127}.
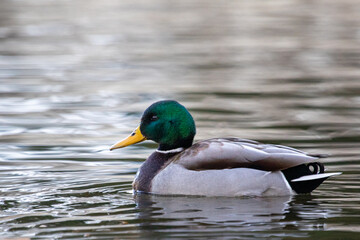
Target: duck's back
{"x": 237, "y": 167}
{"x": 220, "y": 153}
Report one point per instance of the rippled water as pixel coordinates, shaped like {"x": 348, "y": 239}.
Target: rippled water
{"x": 75, "y": 77}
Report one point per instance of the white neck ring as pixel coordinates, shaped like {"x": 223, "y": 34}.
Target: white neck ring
{"x": 175, "y": 150}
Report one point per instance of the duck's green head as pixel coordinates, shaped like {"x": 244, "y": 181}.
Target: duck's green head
{"x": 165, "y": 122}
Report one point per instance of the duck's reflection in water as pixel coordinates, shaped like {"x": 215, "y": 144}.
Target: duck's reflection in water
{"x": 185, "y": 211}
{"x": 243, "y": 217}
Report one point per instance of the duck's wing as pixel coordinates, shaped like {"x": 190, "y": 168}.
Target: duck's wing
{"x": 222, "y": 153}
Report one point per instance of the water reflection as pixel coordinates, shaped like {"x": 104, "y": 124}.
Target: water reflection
{"x": 200, "y": 210}
{"x": 158, "y": 214}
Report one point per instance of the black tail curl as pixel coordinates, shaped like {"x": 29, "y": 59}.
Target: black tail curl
{"x": 304, "y": 170}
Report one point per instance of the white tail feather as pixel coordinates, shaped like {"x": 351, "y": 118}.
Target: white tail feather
{"x": 315, "y": 176}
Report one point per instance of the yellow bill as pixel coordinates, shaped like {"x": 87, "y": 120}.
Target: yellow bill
{"x": 135, "y": 137}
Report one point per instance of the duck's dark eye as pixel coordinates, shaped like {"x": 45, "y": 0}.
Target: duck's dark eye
{"x": 153, "y": 118}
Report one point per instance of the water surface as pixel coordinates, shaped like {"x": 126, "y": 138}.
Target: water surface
{"x": 75, "y": 77}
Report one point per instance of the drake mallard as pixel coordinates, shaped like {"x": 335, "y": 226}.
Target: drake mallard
{"x": 218, "y": 166}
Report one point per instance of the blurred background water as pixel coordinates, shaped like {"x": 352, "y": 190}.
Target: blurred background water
{"x": 75, "y": 77}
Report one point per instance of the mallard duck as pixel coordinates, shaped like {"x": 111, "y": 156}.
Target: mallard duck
{"x": 218, "y": 166}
